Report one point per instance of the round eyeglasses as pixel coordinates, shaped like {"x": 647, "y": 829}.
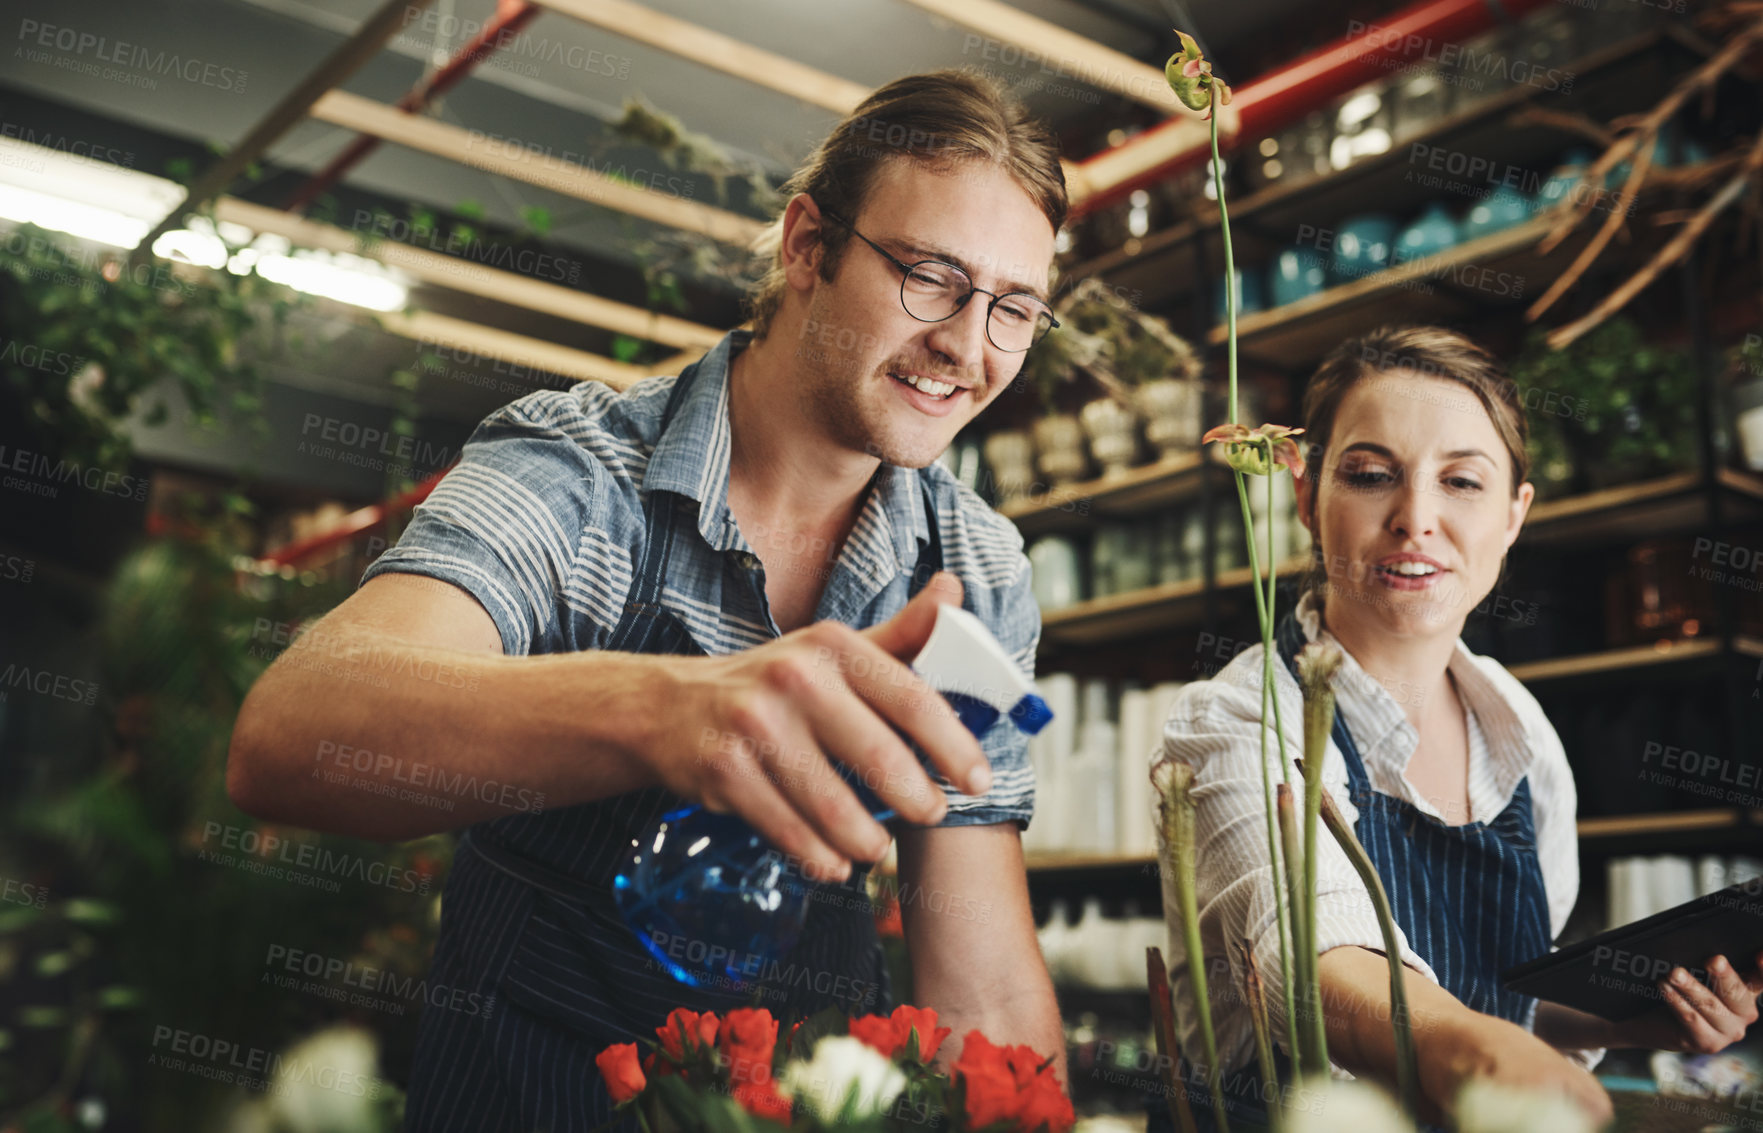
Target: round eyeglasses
{"x": 932, "y": 291}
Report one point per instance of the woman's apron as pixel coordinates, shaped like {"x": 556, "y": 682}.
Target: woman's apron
{"x": 532, "y": 935}
{"x": 1470, "y": 900}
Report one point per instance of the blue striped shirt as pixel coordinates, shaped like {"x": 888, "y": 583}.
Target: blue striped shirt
{"x": 543, "y": 522}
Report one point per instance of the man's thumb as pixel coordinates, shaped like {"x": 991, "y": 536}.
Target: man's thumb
{"x": 904, "y": 634}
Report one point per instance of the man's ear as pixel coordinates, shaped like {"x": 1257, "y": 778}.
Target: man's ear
{"x": 800, "y": 248}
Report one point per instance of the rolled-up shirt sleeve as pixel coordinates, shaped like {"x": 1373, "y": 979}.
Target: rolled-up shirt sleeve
{"x": 1011, "y": 613}
{"x": 509, "y": 523}
{"x": 1215, "y": 728}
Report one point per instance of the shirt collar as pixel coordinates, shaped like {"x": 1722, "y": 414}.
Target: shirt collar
{"x": 691, "y": 457}
{"x": 1374, "y": 710}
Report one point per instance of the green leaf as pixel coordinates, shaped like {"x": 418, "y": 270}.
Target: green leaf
{"x": 84, "y": 910}
{"x": 16, "y": 917}
{"x": 118, "y": 998}
{"x": 51, "y": 964}
{"x": 625, "y": 348}
{"x": 42, "y": 1016}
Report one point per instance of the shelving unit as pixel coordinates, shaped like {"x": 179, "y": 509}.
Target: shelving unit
{"x": 1485, "y": 280}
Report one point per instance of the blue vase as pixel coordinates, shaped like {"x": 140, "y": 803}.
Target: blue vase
{"x": 1296, "y": 273}
{"x": 1693, "y": 153}
{"x": 1502, "y": 208}
{"x": 1429, "y": 234}
{"x": 1362, "y": 245}
{"x": 1561, "y": 182}
{"x": 1249, "y": 297}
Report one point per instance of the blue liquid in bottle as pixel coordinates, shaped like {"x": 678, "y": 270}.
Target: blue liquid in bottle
{"x": 706, "y": 887}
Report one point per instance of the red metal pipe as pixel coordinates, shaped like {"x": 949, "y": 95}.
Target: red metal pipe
{"x": 1424, "y": 32}
{"x": 357, "y": 523}
{"x": 511, "y": 16}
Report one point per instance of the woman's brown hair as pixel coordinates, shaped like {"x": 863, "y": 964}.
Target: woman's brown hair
{"x": 938, "y": 119}
{"x": 1415, "y": 351}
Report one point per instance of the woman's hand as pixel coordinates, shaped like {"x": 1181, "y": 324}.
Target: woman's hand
{"x": 1696, "y": 1019}
{"x": 1467, "y": 1046}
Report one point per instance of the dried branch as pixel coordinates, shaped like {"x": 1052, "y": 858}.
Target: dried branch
{"x": 1666, "y": 256}
{"x": 1647, "y": 127}
{"x": 1595, "y": 247}
{"x": 1561, "y": 120}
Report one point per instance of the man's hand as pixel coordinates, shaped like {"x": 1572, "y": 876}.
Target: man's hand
{"x": 1468, "y": 1046}
{"x": 752, "y": 732}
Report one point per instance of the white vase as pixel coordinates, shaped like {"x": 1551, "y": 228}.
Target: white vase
{"x": 1113, "y": 435}
{"x": 1010, "y": 454}
{"x": 1059, "y": 448}
{"x": 1171, "y": 410}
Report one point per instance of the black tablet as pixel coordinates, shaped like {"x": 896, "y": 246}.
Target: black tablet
{"x": 1616, "y": 974}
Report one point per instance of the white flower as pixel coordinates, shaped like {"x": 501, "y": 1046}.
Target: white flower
{"x": 1342, "y": 1105}
{"x": 845, "y": 1080}
{"x": 326, "y": 1081}
{"x": 1484, "y": 1107}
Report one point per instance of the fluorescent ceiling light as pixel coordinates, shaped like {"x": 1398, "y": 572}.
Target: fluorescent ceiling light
{"x": 110, "y": 205}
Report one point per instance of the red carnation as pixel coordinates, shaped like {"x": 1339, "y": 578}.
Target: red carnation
{"x": 618, "y": 1065}
{"x": 924, "y": 1021}
{"x": 762, "y": 1099}
{"x": 748, "y": 1042}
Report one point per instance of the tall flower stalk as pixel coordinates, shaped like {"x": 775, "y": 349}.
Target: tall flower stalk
{"x": 1264, "y": 451}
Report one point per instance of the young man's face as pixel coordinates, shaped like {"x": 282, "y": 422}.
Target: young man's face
{"x": 857, "y": 340}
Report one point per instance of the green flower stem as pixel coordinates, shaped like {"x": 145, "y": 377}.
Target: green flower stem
{"x": 1178, "y": 820}
{"x": 1407, "y": 1073}
{"x": 1263, "y": 1039}
{"x": 1319, "y": 712}
{"x": 1264, "y": 602}
{"x": 1298, "y": 975}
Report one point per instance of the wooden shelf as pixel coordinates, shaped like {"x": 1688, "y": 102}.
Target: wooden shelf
{"x": 1501, "y": 268}
{"x": 1634, "y": 657}
{"x": 1172, "y": 605}
{"x": 1136, "y": 491}
{"x": 1642, "y": 510}
{"x": 1668, "y": 822}
{"x": 1145, "y": 267}
{"x": 1048, "y": 863}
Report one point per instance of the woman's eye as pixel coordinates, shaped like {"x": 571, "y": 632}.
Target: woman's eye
{"x": 1367, "y": 477}
{"x": 1463, "y": 484}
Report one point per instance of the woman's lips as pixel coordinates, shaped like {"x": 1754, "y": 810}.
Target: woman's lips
{"x": 1408, "y": 572}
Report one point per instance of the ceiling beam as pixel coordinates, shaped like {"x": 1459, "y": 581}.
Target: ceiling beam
{"x": 366, "y": 116}
{"x": 717, "y": 51}
{"x": 459, "y": 274}
{"x": 1058, "y": 52}
{"x": 489, "y": 342}
{"x": 348, "y": 58}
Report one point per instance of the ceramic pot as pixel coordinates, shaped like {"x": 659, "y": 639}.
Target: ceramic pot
{"x": 1171, "y": 412}
{"x": 1113, "y": 434}
{"x": 1502, "y": 208}
{"x": 1059, "y": 448}
{"x": 1361, "y": 246}
{"x": 1054, "y": 560}
{"x": 1429, "y": 234}
{"x": 1010, "y": 454}
{"x": 1296, "y": 273}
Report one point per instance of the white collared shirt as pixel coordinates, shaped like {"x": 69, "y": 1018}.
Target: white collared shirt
{"x": 1215, "y": 727}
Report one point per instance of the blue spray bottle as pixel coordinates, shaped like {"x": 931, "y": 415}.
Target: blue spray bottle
{"x": 706, "y": 886}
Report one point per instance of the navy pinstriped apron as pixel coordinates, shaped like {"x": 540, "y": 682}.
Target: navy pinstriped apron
{"x": 1470, "y": 899}
{"x": 530, "y": 926}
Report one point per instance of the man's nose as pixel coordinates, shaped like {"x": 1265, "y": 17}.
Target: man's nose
{"x": 961, "y": 338}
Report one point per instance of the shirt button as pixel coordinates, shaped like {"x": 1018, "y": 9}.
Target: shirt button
{"x": 748, "y": 560}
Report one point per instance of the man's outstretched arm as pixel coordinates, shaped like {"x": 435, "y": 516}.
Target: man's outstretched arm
{"x": 971, "y": 933}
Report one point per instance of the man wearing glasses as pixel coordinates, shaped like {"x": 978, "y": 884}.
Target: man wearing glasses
{"x": 706, "y": 588}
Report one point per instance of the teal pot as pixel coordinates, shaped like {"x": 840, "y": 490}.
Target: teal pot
{"x": 1430, "y": 233}
{"x": 1500, "y": 209}
{"x": 1296, "y": 273}
{"x": 1362, "y": 245}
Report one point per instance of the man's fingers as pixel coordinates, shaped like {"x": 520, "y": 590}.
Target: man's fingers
{"x": 755, "y": 798}
{"x": 1733, "y": 990}
{"x": 813, "y": 787}
{"x": 902, "y": 698}
{"x": 904, "y": 634}
{"x": 851, "y": 732}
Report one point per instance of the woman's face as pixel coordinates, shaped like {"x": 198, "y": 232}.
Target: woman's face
{"x": 1412, "y": 505}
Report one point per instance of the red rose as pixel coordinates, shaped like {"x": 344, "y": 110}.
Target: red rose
{"x": 705, "y": 1031}
{"x": 1044, "y": 1104}
{"x": 762, "y": 1099}
{"x": 618, "y": 1065}
{"x": 1011, "y": 1083}
{"x": 679, "y": 1034}
{"x": 882, "y": 1034}
{"x": 748, "y": 1041}
{"x": 989, "y": 1095}
{"x": 924, "y": 1021}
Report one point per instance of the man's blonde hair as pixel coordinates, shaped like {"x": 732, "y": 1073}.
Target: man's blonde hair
{"x": 938, "y": 119}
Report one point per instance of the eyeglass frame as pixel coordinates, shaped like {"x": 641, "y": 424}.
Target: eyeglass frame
{"x": 972, "y": 287}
